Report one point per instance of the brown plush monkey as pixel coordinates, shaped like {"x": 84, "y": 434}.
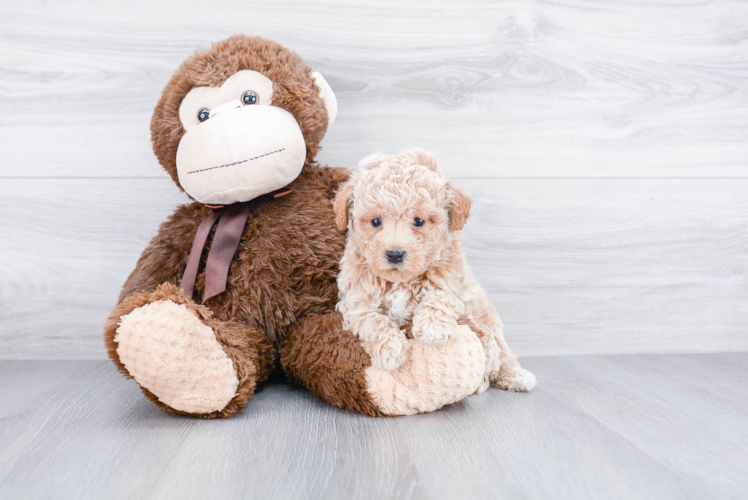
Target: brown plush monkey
{"x": 244, "y": 277}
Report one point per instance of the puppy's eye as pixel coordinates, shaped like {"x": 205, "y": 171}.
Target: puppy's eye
{"x": 419, "y": 222}
{"x": 376, "y": 222}
{"x": 250, "y": 97}
{"x": 203, "y": 115}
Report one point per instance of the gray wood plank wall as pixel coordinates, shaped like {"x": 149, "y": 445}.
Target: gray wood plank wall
{"x": 605, "y": 145}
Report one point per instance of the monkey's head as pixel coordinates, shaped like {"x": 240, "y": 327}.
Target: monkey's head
{"x": 240, "y": 120}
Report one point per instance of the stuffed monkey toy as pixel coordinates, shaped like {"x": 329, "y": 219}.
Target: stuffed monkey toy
{"x": 244, "y": 277}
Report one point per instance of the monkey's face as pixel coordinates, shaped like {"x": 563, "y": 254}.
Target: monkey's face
{"x": 244, "y": 134}
{"x": 238, "y": 145}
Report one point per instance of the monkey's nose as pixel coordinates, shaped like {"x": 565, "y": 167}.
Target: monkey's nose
{"x": 395, "y": 256}
{"x": 226, "y": 106}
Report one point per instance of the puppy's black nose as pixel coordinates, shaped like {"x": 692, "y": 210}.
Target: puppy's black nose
{"x": 395, "y": 256}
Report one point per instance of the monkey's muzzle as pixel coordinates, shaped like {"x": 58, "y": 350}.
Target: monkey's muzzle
{"x": 240, "y": 154}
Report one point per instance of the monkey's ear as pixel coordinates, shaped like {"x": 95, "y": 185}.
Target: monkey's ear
{"x": 343, "y": 199}
{"x": 459, "y": 208}
{"x": 327, "y": 95}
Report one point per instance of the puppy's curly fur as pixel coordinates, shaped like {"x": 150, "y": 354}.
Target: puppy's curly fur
{"x": 404, "y": 270}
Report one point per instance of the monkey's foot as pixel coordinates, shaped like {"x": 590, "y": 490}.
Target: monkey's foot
{"x": 433, "y": 376}
{"x": 174, "y": 355}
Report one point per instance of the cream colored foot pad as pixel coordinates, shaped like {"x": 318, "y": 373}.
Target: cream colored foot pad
{"x": 433, "y": 376}
{"x": 173, "y": 354}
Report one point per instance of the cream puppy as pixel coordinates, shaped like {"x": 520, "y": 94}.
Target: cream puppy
{"x": 404, "y": 270}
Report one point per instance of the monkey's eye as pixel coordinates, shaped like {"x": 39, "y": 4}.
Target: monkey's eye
{"x": 376, "y": 222}
{"x": 203, "y": 115}
{"x": 250, "y": 97}
{"x": 419, "y": 222}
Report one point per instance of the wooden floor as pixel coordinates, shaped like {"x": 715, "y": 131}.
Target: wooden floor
{"x": 643, "y": 426}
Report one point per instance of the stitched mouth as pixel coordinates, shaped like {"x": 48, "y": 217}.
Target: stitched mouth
{"x": 236, "y": 162}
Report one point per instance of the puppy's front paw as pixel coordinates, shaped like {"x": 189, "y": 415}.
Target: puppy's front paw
{"x": 390, "y": 354}
{"x": 519, "y": 380}
{"x": 435, "y": 332}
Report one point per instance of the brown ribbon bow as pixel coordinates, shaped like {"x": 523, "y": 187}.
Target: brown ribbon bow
{"x": 231, "y": 221}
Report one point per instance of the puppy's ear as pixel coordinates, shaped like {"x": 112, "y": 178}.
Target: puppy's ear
{"x": 342, "y": 200}
{"x": 459, "y": 207}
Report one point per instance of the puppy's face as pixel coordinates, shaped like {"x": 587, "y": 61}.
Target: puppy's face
{"x": 399, "y": 234}
{"x": 402, "y": 214}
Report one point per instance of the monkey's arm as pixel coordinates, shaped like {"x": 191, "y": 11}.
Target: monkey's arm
{"x": 165, "y": 257}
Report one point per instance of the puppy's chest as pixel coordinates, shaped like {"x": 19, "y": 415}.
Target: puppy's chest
{"x": 399, "y": 304}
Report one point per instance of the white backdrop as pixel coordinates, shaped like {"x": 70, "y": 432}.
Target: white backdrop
{"x": 605, "y": 145}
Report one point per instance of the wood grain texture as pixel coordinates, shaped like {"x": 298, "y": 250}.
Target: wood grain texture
{"x": 495, "y": 89}
{"x": 604, "y": 143}
{"x": 625, "y": 427}
{"x": 573, "y": 266}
